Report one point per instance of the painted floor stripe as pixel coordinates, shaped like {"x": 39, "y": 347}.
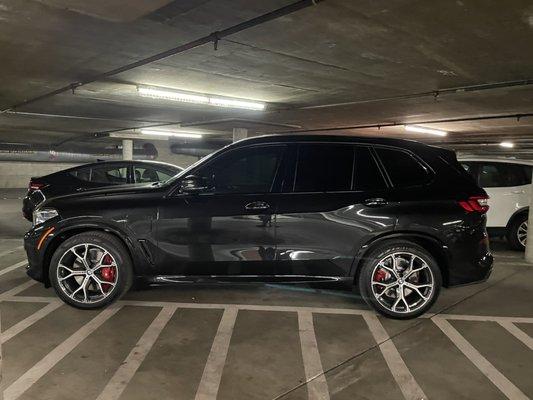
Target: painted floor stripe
{"x": 29, "y": 321}
{"x": 5, "y": 253}
{"x": 210, "y": 382}
{"x": 13, "y": 267}
{"x": 24, "y": 382}
{"x": 317, "y": 386}
{"x": 9, "y": 295}
{"x": 403, "y": 377}
{"x": 122, "y": 377}
{"x": 517, "y": 333}
{"x": 496, "y": 377}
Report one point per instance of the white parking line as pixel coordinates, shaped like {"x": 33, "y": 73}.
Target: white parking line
{"x": 13, "y": 267}
{"x": 496, "y": 377}
{"x": 1, "y": 358}
{"x": 11, "y": 293}
{"x": 403, "y": 377}
{"x": 24, "y": 382}
{"x": 517, "y": 333}
{"x": 123, "y": 375}
{"x": 317, "y": 386}
{"x": 29, "y": 321}
{"x": 5, "y": 253}
{"x": 210, "y": 382}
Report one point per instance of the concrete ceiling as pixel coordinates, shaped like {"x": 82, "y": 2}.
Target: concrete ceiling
{"x": 335, "y": 66}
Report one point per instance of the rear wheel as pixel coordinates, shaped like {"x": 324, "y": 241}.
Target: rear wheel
{"x": 517, "y": 233}
{"x": 400, "y": 280}
{"x": 91, "y": 270}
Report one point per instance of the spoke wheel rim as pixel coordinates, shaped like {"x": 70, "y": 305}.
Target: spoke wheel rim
{"x": 402, "y": 282}
{"x": 522, "y": 233}
{"x": 87, "y": 273}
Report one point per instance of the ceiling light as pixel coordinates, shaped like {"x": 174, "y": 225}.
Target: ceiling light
{"x": 172, "y": 95}
{"x": 414, "y": 128}
{"x": 190, "y": 135}
{"x": 196, "y": 98}
{"x": 508, "y": 145}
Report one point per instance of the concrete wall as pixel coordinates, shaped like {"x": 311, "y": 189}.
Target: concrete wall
{"x": 18, "y": 174}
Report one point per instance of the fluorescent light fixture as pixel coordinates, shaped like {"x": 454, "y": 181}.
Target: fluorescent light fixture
{"x": 195, "y": 98}
{"x": 420, "y": 129}
{"x": 172, "y": 95}
{"x": 508, "y": 145}
{"x": 189, "y": 135}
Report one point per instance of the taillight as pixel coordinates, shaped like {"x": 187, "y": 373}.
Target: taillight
{"x": 475, "y": 204}
{"x": 36, "y": 185}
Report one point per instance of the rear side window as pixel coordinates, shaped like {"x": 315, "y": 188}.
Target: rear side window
{"x": 503, "y": 175}
{"x": 402, "y": 168}
{"x": 111, "y": 175}
{"x": 367, "y": 174}
{"x": 148, "y": 174}
{"x": 324, "y": 168}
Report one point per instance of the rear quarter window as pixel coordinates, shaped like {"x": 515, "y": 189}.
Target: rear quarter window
{"x": 402, "y": 167}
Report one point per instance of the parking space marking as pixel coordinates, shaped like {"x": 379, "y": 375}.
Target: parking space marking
{"x": 7, "y": 252}
{"x": 29, "y": 321}
{"x": 403, "y": 377}
{"x": 517, "y": 333}
{"x": 496, "y": 377}
{"x": 317, "y": 386}
{"x": 131, "y": 364}
{"x": 24, "y": 382}
{"x": 210, "y": 382}
{"x": 13, "y": 267}
{"x": 11, "y": 293}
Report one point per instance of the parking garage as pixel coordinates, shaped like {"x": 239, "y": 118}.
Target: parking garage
{"x": 147, "y": 86}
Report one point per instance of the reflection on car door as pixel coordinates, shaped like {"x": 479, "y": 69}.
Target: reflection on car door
{"x": 231, "y": 225}
{"x": 322, "y": 216}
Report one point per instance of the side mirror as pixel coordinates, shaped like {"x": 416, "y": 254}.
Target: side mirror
{"x": 193, "y": 184}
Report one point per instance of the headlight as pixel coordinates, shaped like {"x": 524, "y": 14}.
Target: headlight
{"x": 41, "y": 216}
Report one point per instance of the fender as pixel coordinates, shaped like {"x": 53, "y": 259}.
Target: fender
{"x": 515, "y": 214}
{"x": 438, "y": 249}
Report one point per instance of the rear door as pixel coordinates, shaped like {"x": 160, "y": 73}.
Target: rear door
{"x": 334, "y": 199}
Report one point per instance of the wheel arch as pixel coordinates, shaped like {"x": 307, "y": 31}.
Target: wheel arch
{"x": 69, "y": 232}
{"x": 430, "y": 243}
{"x": 517, "y": 213}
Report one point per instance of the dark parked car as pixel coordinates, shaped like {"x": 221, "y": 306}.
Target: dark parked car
{"x": 398, "y": 219}
{"x": 90, "y": 176}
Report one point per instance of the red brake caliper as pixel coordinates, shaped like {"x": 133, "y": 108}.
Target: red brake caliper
{"x": 108, "y": 273}
{"x": 380, "y": 275}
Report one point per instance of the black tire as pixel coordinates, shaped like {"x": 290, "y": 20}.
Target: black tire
{"x": 115, "y": 248}
{"x": 512, "y": 233}
{"x": 387, "y": 249}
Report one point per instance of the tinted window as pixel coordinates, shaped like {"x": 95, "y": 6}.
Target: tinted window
{"x": 112, "y": 175}
{"x": 324, "y": 168}
{"x": 403, "y": 169}
{"x": 503, "y": 175}
{"x": 251, "y": 170}
{"x": 367, "y": 174}
{"x": 148, "y": 174}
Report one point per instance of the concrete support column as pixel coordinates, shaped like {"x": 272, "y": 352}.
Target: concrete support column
{"x": 127, "y": 149}
{"x": 529, "y": 243}
{"x": 239, "y": 133}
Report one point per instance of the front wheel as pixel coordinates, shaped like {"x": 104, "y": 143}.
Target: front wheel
{"x": 400, "y": 280}
{"x": 91, "y": 270}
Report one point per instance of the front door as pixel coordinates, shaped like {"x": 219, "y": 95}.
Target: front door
{"x": 227, "y": 230}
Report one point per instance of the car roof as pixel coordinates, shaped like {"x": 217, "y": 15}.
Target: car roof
{"x": 118, "y": 162}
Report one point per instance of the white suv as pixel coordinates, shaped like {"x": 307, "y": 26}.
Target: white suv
{"x": 508, "y": 183}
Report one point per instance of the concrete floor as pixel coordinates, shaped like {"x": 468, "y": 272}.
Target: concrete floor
{"x": 263, "y": 341}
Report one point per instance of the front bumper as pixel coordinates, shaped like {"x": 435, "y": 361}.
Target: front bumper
{"x": 35, "y": 255}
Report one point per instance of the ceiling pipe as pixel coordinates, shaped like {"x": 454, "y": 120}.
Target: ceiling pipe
{"x": 213, "y": 37}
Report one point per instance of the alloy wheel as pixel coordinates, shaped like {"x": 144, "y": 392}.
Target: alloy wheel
{"x": 522, "y": 233}
{"x": 87, "y": 273}
{"x": 402, "y": 282}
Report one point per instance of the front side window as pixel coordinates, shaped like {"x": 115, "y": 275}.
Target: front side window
{"x": 149, "y": 174}
{"x": 248, "y": 170}
{"x": 324, "y": 168}
{"x": 503, "y": 175}
{"x": 403, "y": 169}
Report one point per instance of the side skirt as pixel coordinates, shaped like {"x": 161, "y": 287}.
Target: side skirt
{"x": 167, "y": 279}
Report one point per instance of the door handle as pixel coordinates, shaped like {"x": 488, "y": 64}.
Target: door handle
{"x": 376, "y": 202}
{"x": 257, "y": 205}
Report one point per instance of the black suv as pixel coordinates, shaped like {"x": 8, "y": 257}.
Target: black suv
{"x": 398, "y": 219}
